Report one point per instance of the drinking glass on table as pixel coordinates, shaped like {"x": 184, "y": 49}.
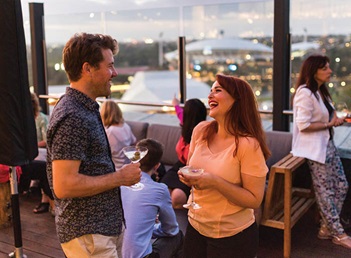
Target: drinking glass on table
{"x": 342, "y": 109}
{"x": 194, "y": 172}
{"x": 135, "y": 154}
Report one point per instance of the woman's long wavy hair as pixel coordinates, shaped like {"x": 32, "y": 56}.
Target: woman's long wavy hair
{"x": 194, "y": 112}
{"x": 243, "y": 118}
{"x": 307, "y": 72}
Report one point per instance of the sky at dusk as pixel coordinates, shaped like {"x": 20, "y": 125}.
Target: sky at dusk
{"x": 130, "y": 20}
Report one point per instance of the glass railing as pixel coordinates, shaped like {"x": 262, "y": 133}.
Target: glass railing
{"x": 233, "y": 37}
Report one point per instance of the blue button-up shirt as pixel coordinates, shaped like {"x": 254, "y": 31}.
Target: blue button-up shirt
{"x": 141, "y": 209}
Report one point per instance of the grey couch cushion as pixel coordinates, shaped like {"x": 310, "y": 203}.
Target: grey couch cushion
{"x": 138, "y": 128}
{"x": 279, "y": 144}
{"x": 168, "y": 136}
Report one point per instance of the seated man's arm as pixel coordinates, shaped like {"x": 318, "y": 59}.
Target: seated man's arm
{"x": 168, "y": 225}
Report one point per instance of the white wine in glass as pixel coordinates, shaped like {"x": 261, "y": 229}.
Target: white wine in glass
{"x": 341, "y": 109}
{"x": 194, "y": 172}
{"x": 135, "y": 154}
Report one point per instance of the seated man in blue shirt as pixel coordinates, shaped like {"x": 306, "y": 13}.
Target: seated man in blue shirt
{"x": 151, "y": 226}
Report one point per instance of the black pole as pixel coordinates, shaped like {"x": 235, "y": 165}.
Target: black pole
{"x": 39, "y": 63}
{"x": 281, "y": 64}
{"x": 18, "y": 253}
{"x": 18, "y": 143}
{"x": 182, "y": 69}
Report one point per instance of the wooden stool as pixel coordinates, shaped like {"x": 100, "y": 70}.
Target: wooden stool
{"x": 5, "y": 205}
{"x": 284, "y": 204}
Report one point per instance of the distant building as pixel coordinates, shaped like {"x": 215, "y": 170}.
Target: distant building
{"x": 159, "y": 87}
{"x": 227, "y": 50}
{"x": 300, "y": 49}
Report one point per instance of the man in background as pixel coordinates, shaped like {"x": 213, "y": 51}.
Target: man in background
{"x": 151, "y": 226}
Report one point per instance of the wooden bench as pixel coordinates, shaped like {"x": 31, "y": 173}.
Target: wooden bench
{"x": 284, "y": 204}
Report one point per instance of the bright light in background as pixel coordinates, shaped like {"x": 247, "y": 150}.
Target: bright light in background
{"x": 118, "y": 88}
{"x": 292, "y": 90}
{"x": 343, "y": 84}
{"x": 330, "y": 85}
{"x": 167, "y": 109}
{"x": 91, "y": 15}
{"x": 337, "y": 59}
{"x": 257, "y": 93}
{"x": 57, "y": 67}
{"x": 233, "y": 67}
{"x": 197, "y": 67}
{"x": 149, "y": 41}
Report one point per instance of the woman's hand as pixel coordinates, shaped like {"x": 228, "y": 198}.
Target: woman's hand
{"x": 175, "y": 101}
{"x": 247, "y": 194}
{"x": 336, "y": 121}
{"x": 200, "y": 182}
{"x": 340, "y": 121}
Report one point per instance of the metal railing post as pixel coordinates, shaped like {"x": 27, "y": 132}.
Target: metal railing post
{"x": 182, "y": 69}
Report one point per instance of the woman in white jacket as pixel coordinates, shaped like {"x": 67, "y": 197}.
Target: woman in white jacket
{"x": 314, "y": 119}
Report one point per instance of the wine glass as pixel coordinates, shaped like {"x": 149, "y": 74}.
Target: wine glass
{"x": 135, "y": 154}
{"x": 341, "y": 109}
{"x": 194, "y": 172}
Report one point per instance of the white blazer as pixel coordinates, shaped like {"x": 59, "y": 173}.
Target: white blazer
{"x": 308, "y": 109}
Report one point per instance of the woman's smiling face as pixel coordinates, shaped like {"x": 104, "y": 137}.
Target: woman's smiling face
{"x": 219, "y": 101}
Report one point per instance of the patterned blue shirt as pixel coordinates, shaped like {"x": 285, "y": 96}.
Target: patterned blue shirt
{"x": 76, "y": 132}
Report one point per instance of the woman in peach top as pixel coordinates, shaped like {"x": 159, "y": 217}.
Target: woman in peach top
{"x": 232, "y": 151}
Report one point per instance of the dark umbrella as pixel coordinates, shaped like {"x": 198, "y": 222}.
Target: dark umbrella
{"x": 17, "y": 134}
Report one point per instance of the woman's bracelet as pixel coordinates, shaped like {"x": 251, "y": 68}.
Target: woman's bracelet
{"x": 326, "y": 125}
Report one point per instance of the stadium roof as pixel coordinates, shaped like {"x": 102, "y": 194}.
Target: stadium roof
{"x": 227, "y": 44}
{"x": 300, "y": 49}
{"x": 233, "y": 45}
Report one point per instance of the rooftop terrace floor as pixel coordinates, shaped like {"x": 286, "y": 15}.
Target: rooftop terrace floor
{"x": 40, "y": 240}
